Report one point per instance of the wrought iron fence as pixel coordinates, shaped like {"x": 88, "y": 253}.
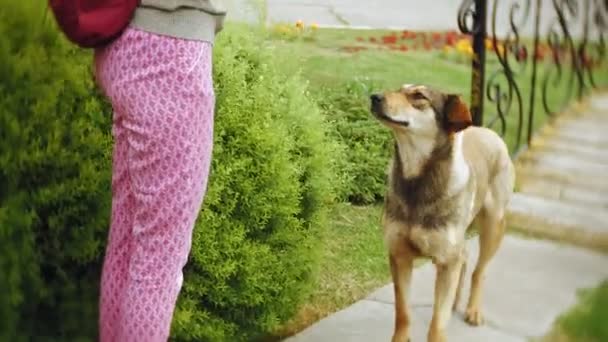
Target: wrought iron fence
{"x": 531, "y": 57}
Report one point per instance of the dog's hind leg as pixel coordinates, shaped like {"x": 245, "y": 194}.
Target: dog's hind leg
{"x": 491, "y": 232}
{"x": 463, "y": 272}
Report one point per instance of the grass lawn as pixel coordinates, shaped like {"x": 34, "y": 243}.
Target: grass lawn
{"x": 353, "y": 263}
{"x": 354, "y": 258}
{"x": 585, "y": 322}
{"x": 324, "y": 63}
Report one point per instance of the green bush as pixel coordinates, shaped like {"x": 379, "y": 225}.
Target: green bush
{"x": 254, "y": 248}
{"x": 369, "y": 144}
{"x": 54, "y": 181}
{"x": 255, "y": 243}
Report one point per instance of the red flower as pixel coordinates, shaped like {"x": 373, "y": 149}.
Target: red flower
{"x": 540, "y": 53}
{"x": 522, "y": 54}
{"x": 372, "y": 39}
{"x": 403, "y": 48}
{"x": 586, "y": 60}
{"x": 408, "y": 35}
{"x": 450, "y": 40}
{"x": 436, "y": 37}
{"x": 389, "y": 39}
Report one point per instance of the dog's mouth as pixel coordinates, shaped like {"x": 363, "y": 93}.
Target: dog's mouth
{"x": 378, "y": 111}
{"x": 381, "y": 116}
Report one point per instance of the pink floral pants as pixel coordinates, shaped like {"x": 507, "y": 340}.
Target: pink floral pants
{"x": 162, "y": 95}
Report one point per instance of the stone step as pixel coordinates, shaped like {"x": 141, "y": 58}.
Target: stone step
{"x": 583, "y": 126}
{"x": 580, "y": 177}
{"x": 599, "y": 103}
{"x": 528, "y": 285}
{"x": 571, "y": 193}
{"x": 578, "y": 137}
{"x": 558, "y": 220}
{"x": 567, "y": 163}
{"x": 582, "y": 152}
{"x": 586, "y": 127}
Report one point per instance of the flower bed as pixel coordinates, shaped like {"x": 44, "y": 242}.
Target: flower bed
{"x": 459, "y": 47}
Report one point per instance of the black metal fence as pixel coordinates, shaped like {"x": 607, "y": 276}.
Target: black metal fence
{"x": 531, "y": 57}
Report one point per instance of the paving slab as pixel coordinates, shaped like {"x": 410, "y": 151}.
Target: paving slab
{"x": 528, "y": 285}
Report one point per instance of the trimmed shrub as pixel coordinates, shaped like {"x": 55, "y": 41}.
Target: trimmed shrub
{"x": 254, "y": 248}
{"x": 255, "y": 243}
{"x": 54, "y": 181}
{"x": 369, "y": 144}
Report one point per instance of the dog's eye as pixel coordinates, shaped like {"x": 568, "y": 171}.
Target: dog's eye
{"x": 418, "y": 96}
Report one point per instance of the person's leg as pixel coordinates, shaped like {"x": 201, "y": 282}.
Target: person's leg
{"x": 117, "y": 255}
{"x": 118, "y": 251}
{"x": 167, "y": 97}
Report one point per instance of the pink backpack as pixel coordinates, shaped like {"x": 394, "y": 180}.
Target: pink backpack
{"x": 93, "y": 23}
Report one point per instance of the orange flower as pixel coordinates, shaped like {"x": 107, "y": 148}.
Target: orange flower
{"x": 463, "y": 46}
{"x": 489, "y": 44}
{"x": 500, "y": 49}
{"x": 300, "y": 24}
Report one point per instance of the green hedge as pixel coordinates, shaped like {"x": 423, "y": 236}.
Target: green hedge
{"x": 253, "y": 256}
{"x": 369, "y": 145}
{"x": 54, "y": 182}
{"x": 255, "y": 243}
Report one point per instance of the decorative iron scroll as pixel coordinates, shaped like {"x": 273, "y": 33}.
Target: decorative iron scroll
{"x": 556, "y": 58}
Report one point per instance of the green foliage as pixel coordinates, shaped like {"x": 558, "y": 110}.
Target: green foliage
{"x": 587, "y": 321}
{"x": 369, "y": 144}
{"x": 256, "y": 241}
{"x": 54, "y": 181}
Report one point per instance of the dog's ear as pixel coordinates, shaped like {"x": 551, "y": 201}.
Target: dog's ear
{"x": 456, "y": 114}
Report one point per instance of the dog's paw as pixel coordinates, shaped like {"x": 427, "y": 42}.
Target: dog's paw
{"x": 401, "y": 338}
{"x": 473, "y": 316}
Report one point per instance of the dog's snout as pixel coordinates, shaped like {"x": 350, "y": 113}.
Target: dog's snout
{"x": 376, "y": 98}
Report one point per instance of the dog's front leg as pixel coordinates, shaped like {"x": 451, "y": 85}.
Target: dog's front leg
{"x": 401, "y": 264}
{"x": 445, "y": 292}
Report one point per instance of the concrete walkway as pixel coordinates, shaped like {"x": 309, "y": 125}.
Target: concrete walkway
{"x": 529, "y": 283}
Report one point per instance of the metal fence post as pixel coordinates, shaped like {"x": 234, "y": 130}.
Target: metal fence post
{"x": 479, "y": 61}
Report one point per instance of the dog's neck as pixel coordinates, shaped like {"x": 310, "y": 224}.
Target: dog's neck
{"x": 413, "y": 153}
{"x": 428, "y": 168}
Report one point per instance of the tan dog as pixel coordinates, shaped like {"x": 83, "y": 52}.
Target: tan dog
{"x": 444, "y": 174}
